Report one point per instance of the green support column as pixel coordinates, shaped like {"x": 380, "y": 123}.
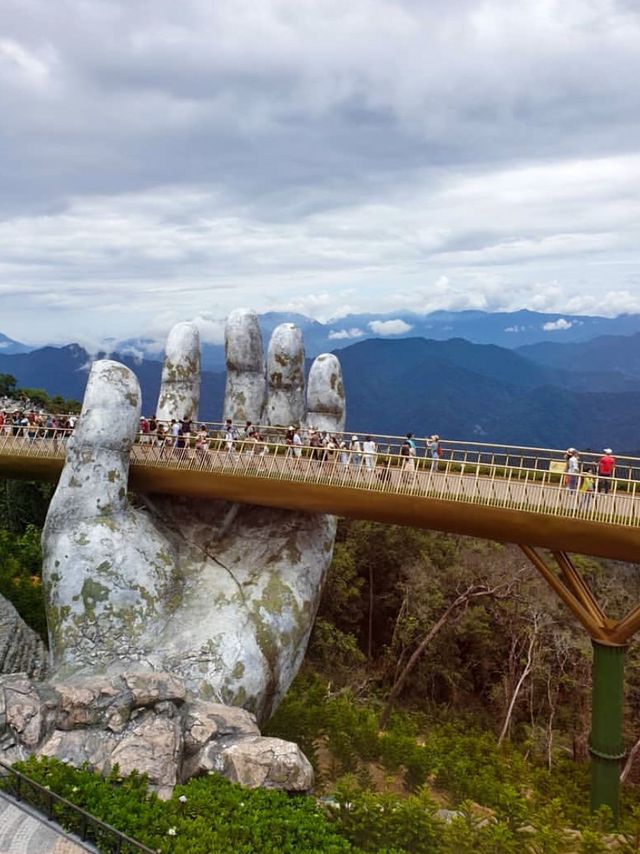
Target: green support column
{"x": 605, "y": 742}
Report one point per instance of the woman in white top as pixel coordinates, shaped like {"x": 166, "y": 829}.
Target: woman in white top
{"x": 369, "y": 452}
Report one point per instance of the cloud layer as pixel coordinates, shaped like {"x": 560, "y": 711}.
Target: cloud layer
{"x": 184, "y": 159}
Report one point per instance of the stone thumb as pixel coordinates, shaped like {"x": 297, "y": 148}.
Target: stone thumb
{"x": 94, "y": 478}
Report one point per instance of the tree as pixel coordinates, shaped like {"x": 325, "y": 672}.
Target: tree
{"x": 460, "y": 602}
{"x": 7, "y": 385}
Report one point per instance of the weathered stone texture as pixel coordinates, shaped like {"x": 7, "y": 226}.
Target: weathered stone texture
{"x": 21, "y": 650}
{"x": 142, "y": 722}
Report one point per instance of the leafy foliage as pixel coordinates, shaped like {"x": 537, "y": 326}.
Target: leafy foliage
{"x": 7, "y": 385}
{"x": 20, "y": 580}
{"x": 216, "y": 816}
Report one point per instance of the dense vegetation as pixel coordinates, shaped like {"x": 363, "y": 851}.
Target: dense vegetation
{"x": 36, "y": 396}
{"x": 445, "y": 704}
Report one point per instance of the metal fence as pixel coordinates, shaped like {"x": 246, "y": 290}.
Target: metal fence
{"x": 73, "y": 818}
{"x": 523, "y": 478}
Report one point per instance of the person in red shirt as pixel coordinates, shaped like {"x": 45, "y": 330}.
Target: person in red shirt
{"x": 606, "y": 468}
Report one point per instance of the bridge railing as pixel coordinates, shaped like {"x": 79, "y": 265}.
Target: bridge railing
{"x": 524, "y": 478}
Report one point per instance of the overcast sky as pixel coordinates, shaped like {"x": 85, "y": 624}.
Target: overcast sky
{"x": 163, "y": 160}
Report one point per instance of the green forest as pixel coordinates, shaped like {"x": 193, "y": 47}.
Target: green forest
{"x": 444, "y": 703}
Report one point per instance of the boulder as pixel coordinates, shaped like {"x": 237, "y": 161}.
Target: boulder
{"x": 143, "y": 722}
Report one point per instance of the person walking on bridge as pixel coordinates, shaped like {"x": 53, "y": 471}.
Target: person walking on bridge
{"x": 369, "y": 453}
{"x": 572, "y": 469}
{"x": 434, "y": 450}
{"x": 606, "y": 469}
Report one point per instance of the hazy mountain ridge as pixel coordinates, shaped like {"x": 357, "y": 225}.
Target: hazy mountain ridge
{"x": 468, "y": 402}
{"x": 64, "y": 371}
{"x": 616, "y": 354}
{"x": 456, "y": 388}
{"x": 510, "y": 330}
{"x": 9, "y": 346}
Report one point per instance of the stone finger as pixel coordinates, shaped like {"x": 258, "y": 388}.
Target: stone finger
{"x": 326, "y": 407}
{"x": 180, "y": 387}
{"x": 285, "y": 376}
{"x": 245, "y": 390}
{"x": 94, "y": 479}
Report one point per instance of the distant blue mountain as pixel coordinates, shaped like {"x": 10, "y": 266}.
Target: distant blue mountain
{"x": 457, "y": 388}
{"x": 505, "y": 329}
{"x": 8, "y": 346}
{"x": 463, "y": 391}
{"x": 615, "y": 354}
{"x": 64, "y": 371}
{"x": 510, "y": 330}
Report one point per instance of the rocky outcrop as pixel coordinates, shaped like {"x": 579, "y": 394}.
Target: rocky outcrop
{"x": 21, "y": 650}
{"x": 143, "y": 722}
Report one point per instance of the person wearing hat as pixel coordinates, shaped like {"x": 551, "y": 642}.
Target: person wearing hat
{"x": 572, "y": 468}
{"x": 356, "y": 451}
{"x": 369, "y": 453}
{"x": 297, "y": 444}
{"x": 606, "y": 468}
{"x": 434, "y": 450}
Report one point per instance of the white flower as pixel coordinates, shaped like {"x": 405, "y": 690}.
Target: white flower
{"x": 172, "y": 831}
{"x": 183, "y": 799}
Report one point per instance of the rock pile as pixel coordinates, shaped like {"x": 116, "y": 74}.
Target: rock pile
{"x": 143, "y": 722}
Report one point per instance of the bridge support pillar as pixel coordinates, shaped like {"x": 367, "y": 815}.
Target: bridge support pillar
{"x": 605, "y": 742}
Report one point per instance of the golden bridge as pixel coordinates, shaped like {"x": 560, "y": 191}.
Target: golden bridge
{"x": 505, "y": 493}
{"x": 499, "y": 492}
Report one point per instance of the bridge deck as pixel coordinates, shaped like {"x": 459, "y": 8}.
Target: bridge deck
{"x": 491, "y": 495}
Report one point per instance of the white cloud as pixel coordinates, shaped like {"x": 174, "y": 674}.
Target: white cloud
{"x": 342, "y": 334}
{"x": 389, "y": 327}
{"x": 25, "y": 64}
{"x": 515, "y": 328}
{"x": 561, "y": 323}
{"x": 211, "y": 328}
{"x": 319, "y": 163}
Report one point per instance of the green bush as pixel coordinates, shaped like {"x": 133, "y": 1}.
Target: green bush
{"x": 375, "y": 822}
{"x": 216, "y": 816}
{"x": 20, "y": 576}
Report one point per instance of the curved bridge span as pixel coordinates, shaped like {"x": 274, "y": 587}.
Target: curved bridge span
{"x": 502, "y": 493}
{"x": 508, "y": 494}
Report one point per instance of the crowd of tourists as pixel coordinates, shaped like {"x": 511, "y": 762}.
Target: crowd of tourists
{"x": 184, "y": 439}
{"x": 34, "y": 424}
{"x": 177, "y": 437}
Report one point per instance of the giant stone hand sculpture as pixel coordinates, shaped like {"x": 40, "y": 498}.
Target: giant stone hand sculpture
{"x": 175, "y": 623}
{"x": 223, "y": 595}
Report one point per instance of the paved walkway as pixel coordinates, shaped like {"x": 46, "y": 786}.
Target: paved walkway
{"x": 22, "y": 832}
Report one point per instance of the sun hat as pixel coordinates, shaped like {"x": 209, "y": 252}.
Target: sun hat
{"x": 354, "y": 438}
{"x": 608, "y": 451}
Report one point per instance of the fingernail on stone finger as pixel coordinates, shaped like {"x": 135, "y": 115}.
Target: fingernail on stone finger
{"x": 245, "y": 388}
{"x": 326, "y": 407}
{"x": 285, "y": 376}
{"x": 180, "y": 388}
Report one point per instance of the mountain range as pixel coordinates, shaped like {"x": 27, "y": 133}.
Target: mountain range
{"x": 510, "y": 330}
{"x": 585, "y": 394}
